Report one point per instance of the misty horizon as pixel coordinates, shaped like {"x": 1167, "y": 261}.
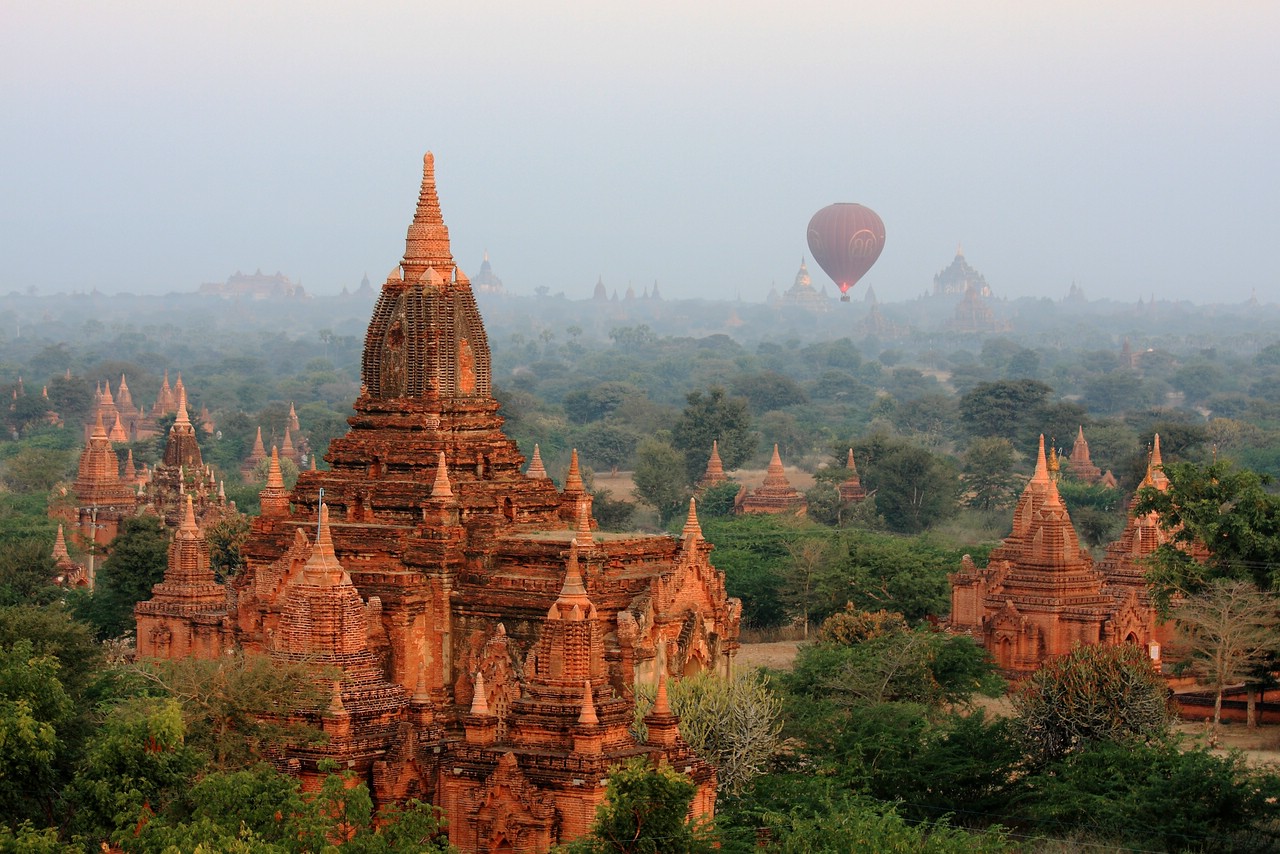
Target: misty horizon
{"x": 1126, "y": 149}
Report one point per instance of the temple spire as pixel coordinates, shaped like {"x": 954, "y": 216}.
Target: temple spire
{"x": 573, "y": 480}
{"x": 60, "y": 546}
{"x": 583, "y": 537}
{"x": 275, "y": 478}
{"x": 188, "y": 528}
{"x": 427, "y": 243}
{"x": 183, "y": 418}
{"x": 661, "y": 703}
{"x": 587, "y": 716}
{"x": 536, "y": 469}
{"x": 691, "y": 526}
{"x": 441, "y": 490}
{"x": 479, "y": 700}
{"x": 322, "y": 568}
{"x": 1042, "y": 465}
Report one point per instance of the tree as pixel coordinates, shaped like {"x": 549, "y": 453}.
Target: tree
{"x": 225, "y": 537}
{"x": 1094, "y": 693}
{"x": 709, "y": 417}
{"x": 659, "y": 479}
{"x": 237, "y": 707}
{"x": 597, "y": 401}
{"x": 990, "y": 480}
{"x": 611, "y": 514}
{"x": 26, "y": 572}
{"x": 261, "y": 810}
{"x": 1158, "y": 796}
{"x": 136, "y": 763}
{"x": 645, "y": 811}
{"x": 1221, "y": 522}
{"x": 809, "y": 556}
{"x": 34, "y": 711}
{"x": 768, "y": 390}
{"x": 137, "y": 560}
{"x": 1000, "y": 408}
{"x": 914, "y": 488}
{"x": 919, "y": 666}
{"x": 719, "y": 500}
{"x": 751, "y": 551}
{"x": 607, "y": 445}
{"x": 735, "y": 723}
{"x": 1231, "y": 630}
{"x": 36, "y": 469}
{"x": 848, "y": 824}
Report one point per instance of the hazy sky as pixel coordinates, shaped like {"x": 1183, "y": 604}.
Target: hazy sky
{"x": 1130, "y": 147}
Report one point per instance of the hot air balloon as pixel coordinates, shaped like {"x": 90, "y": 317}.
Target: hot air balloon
{"x": 846, "y": 239}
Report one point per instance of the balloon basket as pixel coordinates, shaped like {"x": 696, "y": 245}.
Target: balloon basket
{"x": 844, "y": 298}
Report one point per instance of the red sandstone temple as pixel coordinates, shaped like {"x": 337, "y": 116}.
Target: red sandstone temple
{"x": 775, "y": 494}
{"x": 1040, "y": 594}
{"x": 488, "y": 639}
{"x": 851, "y": 488}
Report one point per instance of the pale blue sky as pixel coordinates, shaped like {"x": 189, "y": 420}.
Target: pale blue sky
{"x": 1129, "y": 146}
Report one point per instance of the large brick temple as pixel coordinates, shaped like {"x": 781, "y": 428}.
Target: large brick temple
{"x": 1040, "y": 594}
{"x": 488, "y": 640}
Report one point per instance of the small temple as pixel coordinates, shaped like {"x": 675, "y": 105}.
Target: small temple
{"x": 851, "y": 489}
{"x": 802, "y": 293}
{"x": 714, "y": 475}
{"x": 488, "y": 639}
{"x": 775, "y": 494}
{"x": 1079, "y": 464}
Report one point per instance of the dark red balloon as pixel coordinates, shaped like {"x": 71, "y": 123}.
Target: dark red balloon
{"x": 846, "y": 239}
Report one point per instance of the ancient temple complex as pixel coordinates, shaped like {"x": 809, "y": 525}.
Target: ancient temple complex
{"x": 488, "y": 640}
{"x": 959, "y": 277}
{"x": 1040, "y": 594}
{"x": 125, "y": 421}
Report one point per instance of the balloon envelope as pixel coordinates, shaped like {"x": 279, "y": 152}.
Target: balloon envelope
{"x": 846, "y": 239}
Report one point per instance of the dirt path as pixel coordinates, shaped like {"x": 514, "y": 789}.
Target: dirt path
{"x": 775, "y": 656}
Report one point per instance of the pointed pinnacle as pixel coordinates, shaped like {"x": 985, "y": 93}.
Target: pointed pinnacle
{"x": 322, "y": 566}
{"x": 188, "y": 528}
{"x": 275, "y": 480}
{"x": 587, "y": 715}
{"x": 691, "y": 526}
{"x": 182, "y": 418}
{"x": 60, "y": 546}
{"x": 441, "y": 490}
{"x": 661, "y": 704}
{"x": 536, "y": 469}
{"x": 1042, "y": 465}
{"x": 583, "y": 537}
{"x": 573, "y": 480}
{"x": 479, "y": 702}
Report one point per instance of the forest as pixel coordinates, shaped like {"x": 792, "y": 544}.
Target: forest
{"x": 878, "y": 737}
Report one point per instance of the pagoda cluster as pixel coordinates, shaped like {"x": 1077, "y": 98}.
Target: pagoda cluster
{"x": 109, "y": 487}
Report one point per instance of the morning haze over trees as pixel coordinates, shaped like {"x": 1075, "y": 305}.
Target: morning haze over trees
{"x": 876, "y": 733}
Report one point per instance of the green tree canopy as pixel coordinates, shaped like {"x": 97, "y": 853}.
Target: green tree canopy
{"x": 713, "y": 416}
{"x": 1222, "y": 523}
{"x": 645, "y": 811}
{"x": 1095, "y": 693}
